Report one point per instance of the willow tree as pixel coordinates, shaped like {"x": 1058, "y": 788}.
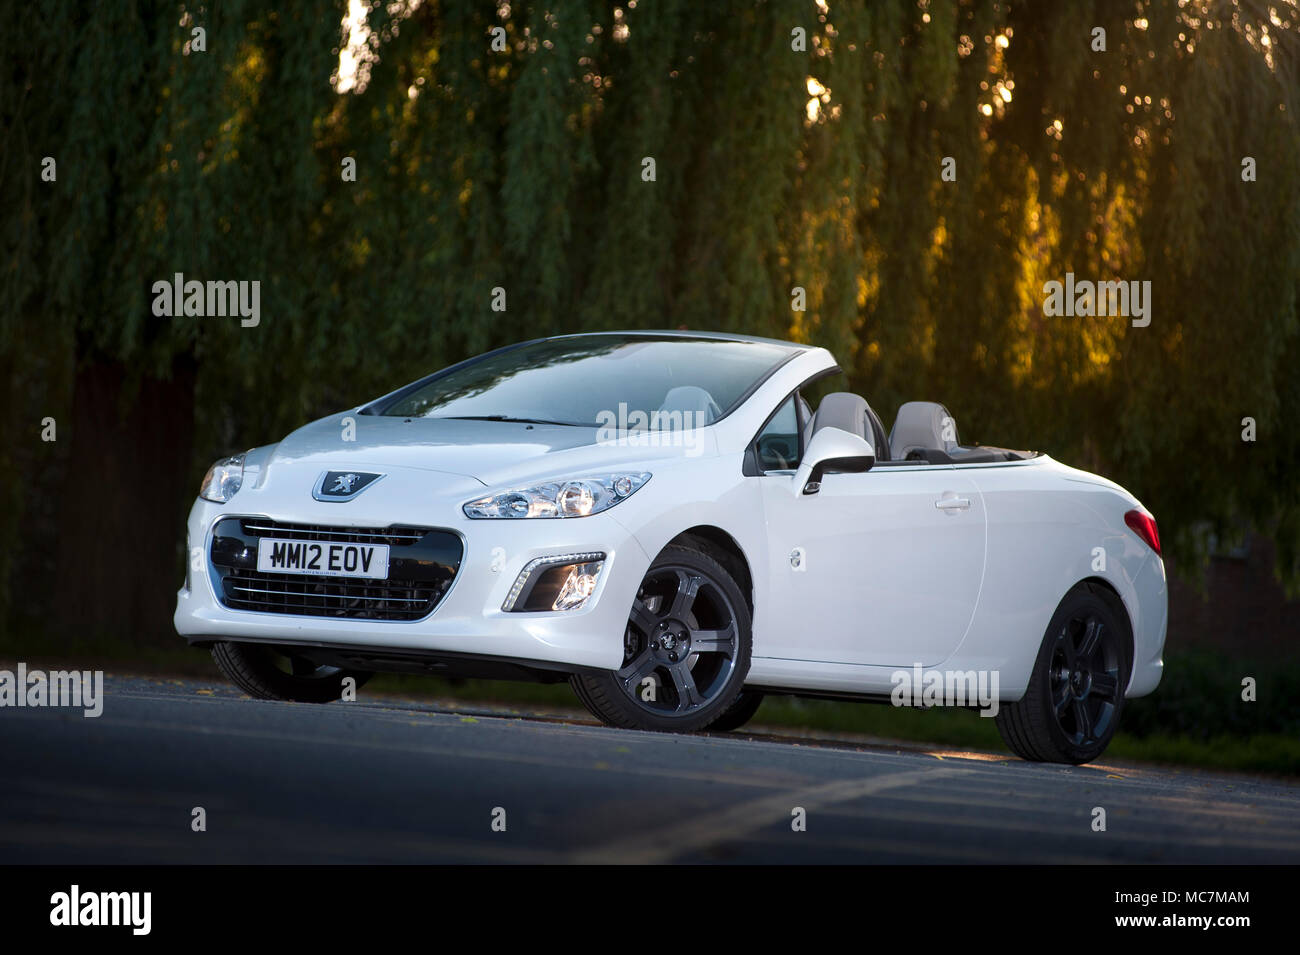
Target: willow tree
{"x": 916, "y": 171}
{"x": 183, "y": 140}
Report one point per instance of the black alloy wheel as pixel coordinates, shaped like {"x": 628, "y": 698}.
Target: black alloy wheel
{"x": 686, "y": 649}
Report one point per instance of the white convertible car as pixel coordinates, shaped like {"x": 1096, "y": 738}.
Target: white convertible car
{"x": 663, "y": 520}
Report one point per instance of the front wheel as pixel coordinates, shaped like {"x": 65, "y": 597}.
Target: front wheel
{"x": 1071, "y": 709}
{"x": 739, "y": 713}
{"x": 686, "y": 649}
{"x": 268, "y": 673}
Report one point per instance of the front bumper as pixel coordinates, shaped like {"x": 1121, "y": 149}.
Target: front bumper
{"x": 468, "y": 619}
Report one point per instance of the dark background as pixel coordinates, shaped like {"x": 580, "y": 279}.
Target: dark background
{"x": 774, "y": 168}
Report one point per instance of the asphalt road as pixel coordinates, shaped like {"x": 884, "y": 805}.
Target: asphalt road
{"x": 388, "y": 780}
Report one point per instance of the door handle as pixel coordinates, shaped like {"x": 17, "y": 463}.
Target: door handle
{"x": 952, "y": 503}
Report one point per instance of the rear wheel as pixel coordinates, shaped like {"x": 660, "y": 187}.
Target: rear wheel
{"x": 686, "y": 649}
{"x": 271, "y": 673}
{"x": 1072, "y": 707}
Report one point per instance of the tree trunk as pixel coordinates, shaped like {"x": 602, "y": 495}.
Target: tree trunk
{"x": 121, "y": 514}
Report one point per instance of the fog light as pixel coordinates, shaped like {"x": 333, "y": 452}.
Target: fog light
{"x": 577, "y": 586}
{"x": 563, "y": 582}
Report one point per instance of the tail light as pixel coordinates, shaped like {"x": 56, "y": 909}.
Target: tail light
{"x": 1144, "y": 525}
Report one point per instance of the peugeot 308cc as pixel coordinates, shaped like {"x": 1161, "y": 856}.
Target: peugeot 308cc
{"x": 664, "y": 520}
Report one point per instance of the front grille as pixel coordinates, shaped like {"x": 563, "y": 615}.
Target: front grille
{"x": 422, "y": 564}
{"x": 395, "y": 535}
{"x": 330, "y": 596}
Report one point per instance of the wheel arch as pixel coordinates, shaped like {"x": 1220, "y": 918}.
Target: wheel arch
{"x": 1106, "y": 590}
{"x": 724, "y": 549}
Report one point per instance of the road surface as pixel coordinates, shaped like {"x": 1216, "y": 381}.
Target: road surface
{"x": 391, "y": 780}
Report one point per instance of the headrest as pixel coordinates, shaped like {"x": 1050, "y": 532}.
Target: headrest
{"x": 691, "y": 398}
{"x": 845, "y": 411}
{"x": 920, "y": 425}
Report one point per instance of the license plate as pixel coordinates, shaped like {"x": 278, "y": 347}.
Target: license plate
{"x": 322, "y": 557}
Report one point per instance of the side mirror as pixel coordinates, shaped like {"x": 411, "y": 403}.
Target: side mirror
{"x": 832, "y": 449}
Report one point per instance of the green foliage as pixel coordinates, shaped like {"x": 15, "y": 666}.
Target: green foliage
{"x": 1200, "y": 698}
{"x": 522, "y": 169}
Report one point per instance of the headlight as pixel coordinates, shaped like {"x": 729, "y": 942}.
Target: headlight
{"x": 576, "y": 498}
{"x": 223, "y": 480}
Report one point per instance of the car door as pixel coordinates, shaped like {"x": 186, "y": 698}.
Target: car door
{"x": 881, "y": 568}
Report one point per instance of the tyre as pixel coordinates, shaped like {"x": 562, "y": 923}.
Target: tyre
{"x": 269, "y": 673}
{"x": 739, "y": 713}
{"x": 685, "y": 649}
{"x": 1072, "y": 707}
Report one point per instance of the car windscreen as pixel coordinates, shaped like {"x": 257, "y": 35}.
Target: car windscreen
{"x": 598, "y": 381}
